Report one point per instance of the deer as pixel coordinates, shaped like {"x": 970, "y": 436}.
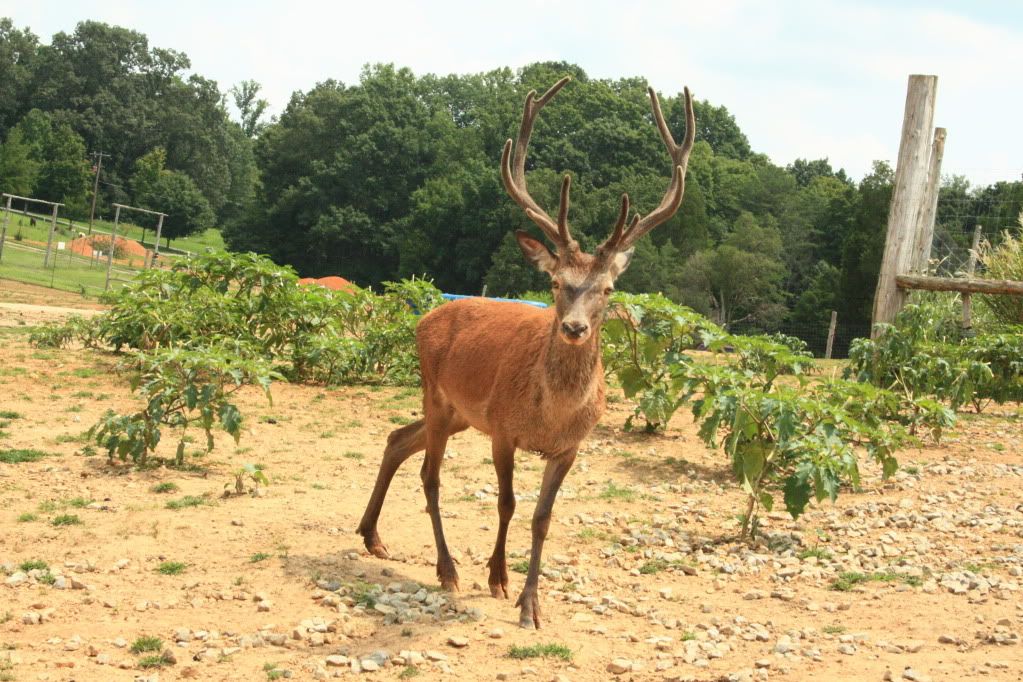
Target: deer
{"x": 530, "y": 378}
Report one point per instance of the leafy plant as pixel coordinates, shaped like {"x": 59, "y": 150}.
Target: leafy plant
{"x": 18, "y": 455}
{"x": 644, "y": 337}
{"x": 251, "y": 472}
{"x": 171, "y": 568}
{"x": 182, "y": 388}
{"x": 540, "y": 651}
{"x": 145, "y": 644}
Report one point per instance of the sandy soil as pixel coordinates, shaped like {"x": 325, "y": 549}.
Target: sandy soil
{"x": 641, "y": 574}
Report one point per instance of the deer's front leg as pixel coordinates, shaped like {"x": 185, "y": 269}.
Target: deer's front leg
{"x": 554, "y": 473}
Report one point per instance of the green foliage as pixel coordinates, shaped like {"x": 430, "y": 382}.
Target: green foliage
{"x": 187, "y": 501}
{"x": 33, "y": 565}
{"x": 1004, "y": 261}
{"x": 644, "y": 336}
{"x": 171, "y": 568}
{"x": 921, "y": 355}
{"x": 18, "y": 455}
{"x": 181, "y": 388}
{"x": 145, "y": 644}
{"x": 551, "y": 650}
{"x": 66, "y": 520}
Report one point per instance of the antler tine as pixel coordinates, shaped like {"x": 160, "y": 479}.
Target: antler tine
{"x": 680, "y": 160}
{"x": 513, "y": 171}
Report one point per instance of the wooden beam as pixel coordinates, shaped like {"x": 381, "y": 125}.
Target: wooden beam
{"x": 965, "y": 285}
{"x": 925, "y": 216}
{"x": 908, "y": 195}
{"x": 971, "y": 267}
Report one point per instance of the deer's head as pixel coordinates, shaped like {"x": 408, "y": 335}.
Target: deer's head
{"x": 582, "y": 282}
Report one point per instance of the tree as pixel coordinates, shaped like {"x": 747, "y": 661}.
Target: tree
{"x": 157, "y": 189}
{"x": 17, "y": 52}
{"x": 250, "y": 106}
{"x": 63, "y": 173}
{"x": 18, "y": 170}
{"x": 739, "y": 281}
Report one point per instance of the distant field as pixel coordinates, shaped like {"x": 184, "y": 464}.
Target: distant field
{"x": 68, "y": 274}
{"x": 195, "y": 243}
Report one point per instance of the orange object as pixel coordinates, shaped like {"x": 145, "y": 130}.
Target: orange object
{"x": 332, "y": 282}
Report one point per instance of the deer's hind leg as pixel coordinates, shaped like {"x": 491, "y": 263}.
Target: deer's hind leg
{"x": 401, "y": 444}
{"x": 441, "y": 421}
{"x": 504, "y": 464}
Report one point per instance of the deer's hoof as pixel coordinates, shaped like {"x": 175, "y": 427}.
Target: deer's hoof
{"x": 499, "y": 591}
{"x": 529, "y": 617}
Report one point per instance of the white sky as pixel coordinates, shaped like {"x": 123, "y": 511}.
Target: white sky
{"x": 803, "y": 79}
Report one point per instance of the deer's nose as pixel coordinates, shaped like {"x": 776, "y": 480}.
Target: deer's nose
{"x": 574, "y": 329}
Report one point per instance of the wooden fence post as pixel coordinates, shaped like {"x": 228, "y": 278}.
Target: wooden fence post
{"x": 929, "y": 209}
{"x": 3, "y": 230}
{"x": 831, "y": 334}
{"x": 907, "y": 196}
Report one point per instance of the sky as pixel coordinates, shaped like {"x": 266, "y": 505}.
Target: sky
{"x": 803, "y": 79}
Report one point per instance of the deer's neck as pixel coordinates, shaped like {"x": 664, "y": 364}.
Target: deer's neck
{"x": 570, "y": 370}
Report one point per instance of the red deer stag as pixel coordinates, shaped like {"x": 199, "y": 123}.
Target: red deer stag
{"x": 531, "y": 379}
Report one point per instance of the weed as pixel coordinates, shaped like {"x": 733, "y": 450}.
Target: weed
{"x": 400, "y": 419}
{"x": 541, "y": 651}
{"x": 66, "y": 520}
{"x": 259, "y": 556}
{"x": 27, "y": 517}
{"x": 833, "y": 629}
{"x": 351, "y": 454}
{"x": 846, "y": 581}
{"x": 187, "y": 501}
{"x": 654, "y": 566}
{"x": 406, "y": 632}
{"x": 146, "y": 643}
{"x": 19, "y": 455}
{"x": 819, "y": 552}
{"x": 78, "y": 502}
{"x": 614, "y": 492}
{"x": 520, "y": 566}
{"x": 171, "y": 568}
{"x": 687, "y": 636}
{"x": 273, "y": 672}
{"x": 10, "y": 414}
{"x": 33, "y": 565}
{"x": 408, "y": 671}
{"x": 165, "y": 487}
{"x": 365, "y": 593}
{"x": 912, "y": 470}
{"x": 47, "y": 578}
{"x": 152, "y": 661}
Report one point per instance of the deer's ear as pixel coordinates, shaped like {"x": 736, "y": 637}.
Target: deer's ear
{"x": 620, "y": 261}
{"x": 537, "y": 253}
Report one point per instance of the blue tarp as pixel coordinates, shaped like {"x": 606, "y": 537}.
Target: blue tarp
{"x": 455, "y": 297}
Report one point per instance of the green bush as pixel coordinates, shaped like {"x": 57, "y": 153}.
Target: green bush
{"x": 1004, "y": 261}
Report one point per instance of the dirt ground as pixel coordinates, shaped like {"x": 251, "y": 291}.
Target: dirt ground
{"x": 642, "y": 579}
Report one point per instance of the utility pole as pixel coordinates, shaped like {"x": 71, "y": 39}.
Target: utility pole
{"x": 95, "y": 187}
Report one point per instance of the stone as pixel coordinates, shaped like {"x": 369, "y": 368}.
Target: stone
{"x": 619, "y": 666}
{"x": 337, "y": 661}
{"x": 435, "y": 655}
{"x": 369, "y": 665}
{"x": 16, "y": 578}
{"x": 496, "y": 633}
{"x": 458, "y": 642}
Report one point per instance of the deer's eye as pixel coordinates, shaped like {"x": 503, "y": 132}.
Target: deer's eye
{"x": 555, "y": 285}
{"x": 608, "y": 291}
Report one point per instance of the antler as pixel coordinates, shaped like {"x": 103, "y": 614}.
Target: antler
{"x": 621, "y": 238}
{"x": 513, "y": 170}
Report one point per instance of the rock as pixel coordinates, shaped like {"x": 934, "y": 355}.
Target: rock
{"x": 914, "y": 676}
{"x": 369, "y": 665}
{"x": 496, "y": 633}
{"x": 16, "y": 578}
{"x": 169, "y": 656}
{"x": 264, "y": 606}
{"x": 337, "y": 661}
{"x": 458, "y": 642}
{"x": 755, "y": 594}
{"x": 784, "y": 645}
{"x": 60, "y": 583}
{"x": 31, "y": 618}
{"x": 435, "y": 655}
{"x": 847, "y": 649}
{"x": 619, "y": 666}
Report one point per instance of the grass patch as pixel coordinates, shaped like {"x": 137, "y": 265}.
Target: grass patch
{"x": 165, "y": 487}
{"x": 152, "y": 661}
{"x": 146, "y": 643}
{"x": 655, "y": 566}
{"x": 615, "y": 492}
{"x": 273, "y": 672}
{"x": 259, "y": 556}
{"x": 352, "y": 454}
{"x": 846, "y": 581}
{"x": 171, "y": 568}
{"x": 19, "y": 455}
{"x": 400, "y": 419}
{"x": 819, "y": 552}
{"x": 33, "y": 565}
{"x": 27, "y": 517}
{"x": 408, "y": 672}
{"x": 10, "y": 414}
{"x": 78, "y": 502}
{"x": 541, "y": 651}
{"x": 187, "y": 501}
{"x": 833, "y": 629}
{"x": 520, "y": 566}
{"x": 66, "y": 520}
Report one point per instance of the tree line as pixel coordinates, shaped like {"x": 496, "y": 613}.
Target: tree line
{"x": 397, "y": 175}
